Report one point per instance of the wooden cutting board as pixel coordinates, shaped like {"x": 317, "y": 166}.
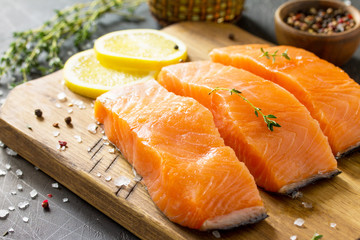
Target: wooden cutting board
{"x": 85, "y": 167}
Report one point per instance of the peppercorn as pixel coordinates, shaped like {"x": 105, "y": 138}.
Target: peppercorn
{"x": 231, "y": 36}
{"x": 68, "y": 120}
{"x": 321, "y": 20}
{"x": 45, "y": 204}
{"x": 38, "y": 113}
{"x": 176, "y": 47}
{"x": 62, "y": 143}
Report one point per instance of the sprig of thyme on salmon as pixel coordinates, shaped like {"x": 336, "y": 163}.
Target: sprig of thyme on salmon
{"x": 267, "y": 118}
{"x": 273, "y": 55}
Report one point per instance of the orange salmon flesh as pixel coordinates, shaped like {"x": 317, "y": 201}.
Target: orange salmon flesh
{"x": 172, "y": 142}
{"x": 330, "y": 95}
{"x": 282, "y": 160}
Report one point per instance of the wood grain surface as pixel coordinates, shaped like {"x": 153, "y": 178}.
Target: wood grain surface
{"x": 83, "y": 167}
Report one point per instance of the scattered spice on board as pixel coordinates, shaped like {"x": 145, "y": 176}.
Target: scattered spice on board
{"x": 62, "y": 97}
{"x": 38, "y": 113}
{"x": 63, "y": 144}
{"x": 299, "y": 222}
{"x": 231, "y": 37}
{"x": 325, "y": 21}
{"x": 45, "y": 204}
{"x": 68, "y": 120}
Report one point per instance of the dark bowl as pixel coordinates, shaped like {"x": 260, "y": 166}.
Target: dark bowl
{"x": 335, "y": 47}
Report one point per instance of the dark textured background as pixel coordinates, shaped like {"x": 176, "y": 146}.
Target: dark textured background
{"x": 76, "y": 219}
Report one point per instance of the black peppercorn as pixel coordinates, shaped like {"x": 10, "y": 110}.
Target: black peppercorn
{"x": 38, "y": 113}
{"x": 68, "y": 120}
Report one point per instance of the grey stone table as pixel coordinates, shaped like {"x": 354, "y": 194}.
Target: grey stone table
{"x": 74, "y": 218}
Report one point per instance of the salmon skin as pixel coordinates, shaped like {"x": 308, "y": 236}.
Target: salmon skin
{"x": 281, "y": 160}
{"x": 330, "y": 95}
{"x": 172, "y": 141}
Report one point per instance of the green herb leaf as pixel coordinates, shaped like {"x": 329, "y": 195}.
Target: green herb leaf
{"x": 273, "y": 55}
{"x": 316, "y": 237}
{"x": 270, "y": 123}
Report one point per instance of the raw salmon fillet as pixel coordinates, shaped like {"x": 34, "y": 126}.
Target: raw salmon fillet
{"x": 281, "y": 160}
{"x": 172, "y": 141}
{"x": 330, "y": 95}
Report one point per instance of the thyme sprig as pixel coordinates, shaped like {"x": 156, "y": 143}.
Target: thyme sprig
{"x": 267, "y": 118}
{"x": 273, "y": 55}
{"x": 37, "y": 50}
{"x": 316, "y": 237}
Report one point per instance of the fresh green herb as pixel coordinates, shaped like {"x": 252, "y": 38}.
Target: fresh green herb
{"x": 316, "y": 237}
{"x": 273, "y": 55}
{"x": 37, "y": 50}
{"x": 267, "y": 118}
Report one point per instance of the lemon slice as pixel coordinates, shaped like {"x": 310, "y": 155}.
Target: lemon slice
{"x": 84, "y": 75}
{"x": 139, "y": 48}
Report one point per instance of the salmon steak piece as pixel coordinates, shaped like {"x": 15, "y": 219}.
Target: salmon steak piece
{"x": 282, "y": 160}
{"x": 173, "y": 143}
{"x": 331, "y": 96}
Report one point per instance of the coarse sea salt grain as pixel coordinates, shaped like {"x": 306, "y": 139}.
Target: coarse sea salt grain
{"x": 122, "y": 181}
{"x": 98, "y": 174}
{"x": 10, "y": 152}
{"x": 78, "y": 138}
{"x": 65, "y": 200}
{"x": 3, "y": 213}
{"x": 56, "y": 133}
{"x": 2, "y": 144}
{"x": 19, "y": 187}
{"x": 137, "y": 177}
{"x": 25, "y": 219}
{"x": 62, "y": 97}
{"x": 2, "y": 173}
{"x": 293, "y": 237}
{"x": 55, "y": 185}
{"x": 299, "y": 222}
{"x": 80, "y": 104}
{"x": 70, "y": 110}
{"x": 33, "y": 194}
{"x": 36, "y": 168}
{"x": 11, "y": 230}
{"x": 11, "y": 208}
{"x": 111, "y": 150}
{"x": 7, "y": 166}
{"x": 108, "y": 178}
{"x": 216, "y": 234}
{"x": 19, "y": 173}
{"x": 58, "y": 105}
{"x": 23, "y": 205}
{"x": 333, "y": 225}
{"x": 13, "y": 192}
{"x": 92, "y": 127}
{"x": 307, "y": 205}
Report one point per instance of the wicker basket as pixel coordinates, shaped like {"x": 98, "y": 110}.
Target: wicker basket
{"x": 171, "y": 11}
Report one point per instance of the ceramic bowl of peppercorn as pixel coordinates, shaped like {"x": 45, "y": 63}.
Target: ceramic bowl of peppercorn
{"x": 330, "y": 29}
